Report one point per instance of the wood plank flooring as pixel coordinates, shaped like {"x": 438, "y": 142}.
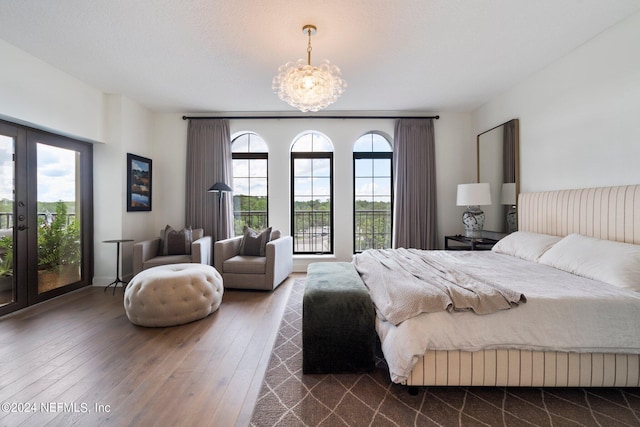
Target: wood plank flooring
{"x": 77, "y": 360}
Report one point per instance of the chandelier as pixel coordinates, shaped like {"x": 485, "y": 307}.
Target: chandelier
{"x": 305, "y": 87}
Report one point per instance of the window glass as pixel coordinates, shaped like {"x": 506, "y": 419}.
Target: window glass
{"x": 373, "y": 192}
{"x": 250, "y": 182}
{"x": 312, "y": 194}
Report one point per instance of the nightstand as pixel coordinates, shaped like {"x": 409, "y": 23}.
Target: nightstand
{"x": 463, "y": 243}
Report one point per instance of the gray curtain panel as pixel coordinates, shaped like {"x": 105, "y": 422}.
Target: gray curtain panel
{"x": 414, "y": 217}
{"x": 209, "y": 161}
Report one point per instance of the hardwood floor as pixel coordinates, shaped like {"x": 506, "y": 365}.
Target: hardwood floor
{"x": 78, "y": 360}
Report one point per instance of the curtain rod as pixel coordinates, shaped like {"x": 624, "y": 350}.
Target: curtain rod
{"x": 306, "y": 117}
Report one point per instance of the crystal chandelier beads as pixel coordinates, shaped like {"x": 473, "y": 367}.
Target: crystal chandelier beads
{"x": 306, "y": 87}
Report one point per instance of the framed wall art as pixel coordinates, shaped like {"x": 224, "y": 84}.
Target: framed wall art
{"x": 138, "y": 183}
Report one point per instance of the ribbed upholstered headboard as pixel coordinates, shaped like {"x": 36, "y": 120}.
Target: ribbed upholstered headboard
{"x": 611, "y": 213}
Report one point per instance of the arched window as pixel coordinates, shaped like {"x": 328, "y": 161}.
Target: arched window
{"x": 372, "y": 192}
{"x": 250, "y": 182}
{"x": 312, "y": 194}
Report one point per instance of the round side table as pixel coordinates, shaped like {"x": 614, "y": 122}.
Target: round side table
{"x": 117, "y": 280}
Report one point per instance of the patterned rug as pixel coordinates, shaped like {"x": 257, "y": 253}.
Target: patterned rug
{"x": 288, "y": 398}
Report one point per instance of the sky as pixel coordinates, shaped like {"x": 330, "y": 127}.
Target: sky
{"x": 56, "y": 172}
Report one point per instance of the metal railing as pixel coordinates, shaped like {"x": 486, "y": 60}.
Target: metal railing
{"x": 6, "y": 218}
{"x": 372, "y": 230}
{"x": 312, "y": 232}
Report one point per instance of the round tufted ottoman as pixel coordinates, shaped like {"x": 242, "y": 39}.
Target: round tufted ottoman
{"x": 173, "y": 294}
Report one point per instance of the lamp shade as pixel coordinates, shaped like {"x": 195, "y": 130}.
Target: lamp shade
{"x": 508, "y": 195}
{"x": 473, "y": 194}
{"x": 219, "y": 187}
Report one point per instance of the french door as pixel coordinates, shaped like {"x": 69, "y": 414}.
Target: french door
{"x": 46, "y": 216}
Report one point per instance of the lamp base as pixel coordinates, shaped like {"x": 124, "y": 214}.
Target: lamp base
{"x": 512, "y": 219}
{"x": 473, "y": 220}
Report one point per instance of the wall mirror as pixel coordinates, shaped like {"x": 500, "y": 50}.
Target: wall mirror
{"x": 499, "y": 165}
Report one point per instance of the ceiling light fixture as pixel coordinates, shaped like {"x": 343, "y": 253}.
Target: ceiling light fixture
{"x": 305, "y": 87}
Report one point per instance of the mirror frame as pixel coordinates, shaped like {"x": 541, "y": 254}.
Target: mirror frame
{"x": 516, "y": 123}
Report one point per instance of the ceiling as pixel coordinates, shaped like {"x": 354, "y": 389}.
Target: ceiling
{"x": 192, "y": 56}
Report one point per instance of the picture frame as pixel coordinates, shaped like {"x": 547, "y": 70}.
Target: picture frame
{"x": 139, "y": 180}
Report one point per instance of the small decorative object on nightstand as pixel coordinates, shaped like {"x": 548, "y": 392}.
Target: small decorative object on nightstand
{"x": 473, "y": 196}
{"x": 483, "y": 243}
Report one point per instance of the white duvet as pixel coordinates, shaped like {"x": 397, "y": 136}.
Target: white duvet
{"x": 564, "y": 312}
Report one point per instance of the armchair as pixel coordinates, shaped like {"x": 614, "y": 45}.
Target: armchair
{"x": 254, "y": 272}
{"x": 146, "y": 253}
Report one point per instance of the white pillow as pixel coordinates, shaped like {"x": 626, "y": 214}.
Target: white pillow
{"x": 605, "y": 260}
{"x": 525, "y": 245}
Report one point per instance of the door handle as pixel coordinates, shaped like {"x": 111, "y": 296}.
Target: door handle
{"x": 22, "y": 227}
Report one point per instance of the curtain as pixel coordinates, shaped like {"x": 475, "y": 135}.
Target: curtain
{"x": 209, "y": 161}
{"x": 415, "y": 223}
{"x": 509, "y": 152}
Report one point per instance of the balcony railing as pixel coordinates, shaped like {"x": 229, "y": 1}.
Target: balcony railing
{"x": 6, "y": 218}
{"x": 372, "y": 230}
{"x": 312, "y": 232}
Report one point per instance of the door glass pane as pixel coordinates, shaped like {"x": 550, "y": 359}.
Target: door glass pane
{"x": 7, "y": 284}
{"x": 59, "y": 222}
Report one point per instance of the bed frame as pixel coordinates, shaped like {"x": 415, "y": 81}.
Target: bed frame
{"x": 611, "y": 213}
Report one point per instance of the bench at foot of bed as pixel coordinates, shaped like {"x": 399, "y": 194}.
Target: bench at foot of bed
{"x": 338, "y": 321}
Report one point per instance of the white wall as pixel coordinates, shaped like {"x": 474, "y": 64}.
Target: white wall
{"x": 454, "y": 157}
{"x": 578, "y": 116}
{"x": 36, "y": 94}
{"x": 127, "y": 130}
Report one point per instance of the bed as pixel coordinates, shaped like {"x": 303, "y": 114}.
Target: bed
{"x": 573, "y": 326}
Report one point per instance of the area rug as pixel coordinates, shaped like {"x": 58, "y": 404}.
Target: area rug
{"x": 289, "y": 398}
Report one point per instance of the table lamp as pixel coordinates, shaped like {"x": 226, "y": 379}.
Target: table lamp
{"x": 473, "y": 196}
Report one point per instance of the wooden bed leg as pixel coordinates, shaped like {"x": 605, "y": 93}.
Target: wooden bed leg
{"x": 413, "y": 390}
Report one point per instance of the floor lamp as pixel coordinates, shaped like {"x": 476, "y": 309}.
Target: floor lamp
{"x": 219, "y": 187}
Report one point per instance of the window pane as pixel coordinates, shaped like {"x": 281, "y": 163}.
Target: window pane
{"x": 302, "y": 167}
{"x": 322, "y": 188}
{"x": 240, "y": 167}
{"x": 250, "y": 189}
{"x": 257, "y": 144}
{"x": 382, "y": 167}
{"x": 303, "y": 144}
{"x": 321, "y": 167}
{"x": 363, "y": 144}
{"x": 380, "y": 143}
{"x": 382, "y": 186}
{"x": 364, "y": 167}
{"x": 321, "y": 144}
{"x": 303, "y": 186}
{"x": 259, "y": 187}
{"x": 311, "y": 186}
{"x": 364, "y": 187}
{"x": 241, "y": 186}
{"x": 258, "y": 168}
{"x": 240, "y": 144}
{"x": 59, "y": 229}
{"x": 372, "y": 193}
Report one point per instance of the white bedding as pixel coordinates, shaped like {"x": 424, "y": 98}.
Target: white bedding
{"x": 564, "y": 312}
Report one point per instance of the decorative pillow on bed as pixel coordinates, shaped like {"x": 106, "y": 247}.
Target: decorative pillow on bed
{"x": 605, "y": 260}
{"x": 254, "y": 244}
{"x": 526, "y": 245}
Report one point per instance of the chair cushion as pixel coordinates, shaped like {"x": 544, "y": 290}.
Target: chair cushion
{"x": 253, "y": 243}
{"x": 241, "y": 264}
{"x": 164, "y": 260}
